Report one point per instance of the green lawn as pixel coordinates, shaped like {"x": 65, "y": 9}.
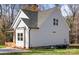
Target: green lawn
{"x": 2, "y": 46}
{"x": 70, "y": 51}
{"x": 53, "y": 51}
{"x": 73, "y": 51}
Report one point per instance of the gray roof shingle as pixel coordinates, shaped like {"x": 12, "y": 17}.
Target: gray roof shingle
{"x": 33, "y": 19}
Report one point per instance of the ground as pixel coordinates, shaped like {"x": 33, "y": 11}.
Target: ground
{"x": 52, "y": 52}
{"x": 2, "y": 46}
{"x": 47, "y": 52}
{"x": 68, "y": 51}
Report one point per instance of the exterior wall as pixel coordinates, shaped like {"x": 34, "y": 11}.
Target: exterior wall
{"x": 25, "y": 32}
{"x": 46, "y": 35}
{"x": 18, "y": 18}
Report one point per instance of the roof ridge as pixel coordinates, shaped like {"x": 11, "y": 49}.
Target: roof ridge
{"x": 24, "y": 18}
{"x": 28, "y": 10}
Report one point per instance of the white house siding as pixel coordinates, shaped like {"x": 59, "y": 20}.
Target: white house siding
{"x": 18, "y": 18}
{"x": 25, "y": 33}
{"x": 44, "y": 36}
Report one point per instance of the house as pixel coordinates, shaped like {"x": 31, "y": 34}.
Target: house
{"x": 40, "y": 28}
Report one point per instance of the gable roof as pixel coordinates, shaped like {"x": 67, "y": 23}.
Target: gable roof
{"x": 30, "y": 23}
{"x": 33, "y": 18}
{"x": 33, "y": 21}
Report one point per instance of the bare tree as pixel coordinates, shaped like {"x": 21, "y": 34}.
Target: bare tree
{"x": 12, "y": 12}
{"x": 0, "y": 10}
{"x": 72, "y": 20}
{"x": 7, "y": 17}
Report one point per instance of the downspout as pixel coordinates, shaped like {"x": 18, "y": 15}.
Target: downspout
{"x": 24, "y": 38}
{"x": 29, "y": 38}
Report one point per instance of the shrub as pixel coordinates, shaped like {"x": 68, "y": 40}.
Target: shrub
{"x": 2, "y": 38}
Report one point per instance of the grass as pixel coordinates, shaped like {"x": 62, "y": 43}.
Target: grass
{"x": 73, "y": 51}
{"x": 2, "y": 46}
{"x": 69, "y": 51}
{"x": 53, "y": 51}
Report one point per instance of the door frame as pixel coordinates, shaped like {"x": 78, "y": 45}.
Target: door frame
{"x": 24, "y": 41}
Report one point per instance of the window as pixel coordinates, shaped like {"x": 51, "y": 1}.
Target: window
{"x": 55, "y": 21}
{"x": 20, "y": 36}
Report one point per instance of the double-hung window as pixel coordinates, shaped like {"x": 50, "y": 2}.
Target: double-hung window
{"x": 55, "y": 22}
{"x": 20, "y": 36}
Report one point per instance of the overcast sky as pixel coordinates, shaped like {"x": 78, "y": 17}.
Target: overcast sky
{"x": 64, "y": 8}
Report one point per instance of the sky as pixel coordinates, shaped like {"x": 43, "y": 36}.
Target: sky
{"x": 46, "y": 6}
{"x": 64, "y": 8}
